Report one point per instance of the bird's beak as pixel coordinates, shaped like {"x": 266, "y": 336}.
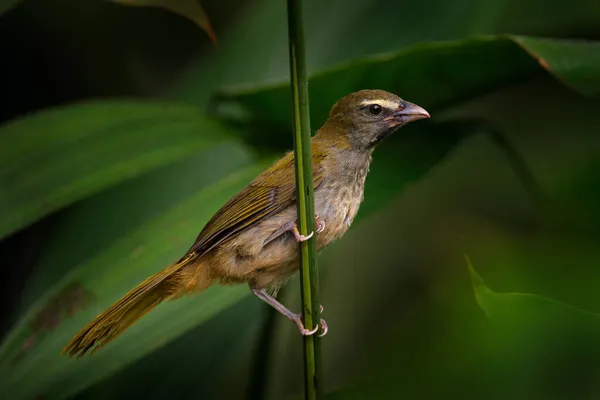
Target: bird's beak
{"x": 407, "y": 112}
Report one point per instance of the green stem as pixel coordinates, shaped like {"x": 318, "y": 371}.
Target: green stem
{"x": 304, "y": 198}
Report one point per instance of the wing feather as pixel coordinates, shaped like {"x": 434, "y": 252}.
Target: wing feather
{"x": 270, "y": 193}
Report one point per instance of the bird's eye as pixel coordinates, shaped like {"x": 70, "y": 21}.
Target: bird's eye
{"x": 375, "y": 109}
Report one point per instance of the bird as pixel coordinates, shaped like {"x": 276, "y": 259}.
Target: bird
{"x": 253, "y": 238}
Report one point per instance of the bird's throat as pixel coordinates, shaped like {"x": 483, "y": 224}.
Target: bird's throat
{"x": 381, "y": 137}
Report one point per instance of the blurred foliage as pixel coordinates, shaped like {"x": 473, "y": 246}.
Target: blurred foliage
{"x": 436, "y": 75}
{"x": 56, "y": 157}
{"x": 6, "y": 5}
{"x": 527, "y": 307}
{"x": 190, "y": 9}
{"x": 98, "y": 194}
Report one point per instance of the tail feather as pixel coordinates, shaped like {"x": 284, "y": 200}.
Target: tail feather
{"x": 127, "y": 310}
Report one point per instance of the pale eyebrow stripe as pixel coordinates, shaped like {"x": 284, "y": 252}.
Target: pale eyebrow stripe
{"x": 382, "y": 102}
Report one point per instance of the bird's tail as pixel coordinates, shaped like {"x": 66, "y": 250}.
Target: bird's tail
{"x": 138, "y": 302}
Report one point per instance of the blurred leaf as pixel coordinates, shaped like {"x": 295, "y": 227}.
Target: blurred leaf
{"x": 54, "y": 158}
{"x": 6, "y": 5}
{"x": 190, "y": 9}
{"x": 433, "y": 75}
{"x": 255, "y": 47}
{"x": 575, "y": 63}
{"x": 139, "y": 200}
{"x": 507, "y": 305}
{"x": 339, "y": 31}
{"x": 36, "y": 341}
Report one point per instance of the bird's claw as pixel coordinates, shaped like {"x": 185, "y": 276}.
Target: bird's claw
{"x": 303, "y": 238}
{"x": 320, "y": 224}
{"x": 323, "y": 323}
{"x": 308, "y": 332}
{"x": 301, "y": 328}
{"x": 324, "y": 328}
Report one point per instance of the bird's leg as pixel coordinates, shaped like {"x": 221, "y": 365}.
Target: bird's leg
{"x": 296, "y": 318}
{"x": 270, "y": 300}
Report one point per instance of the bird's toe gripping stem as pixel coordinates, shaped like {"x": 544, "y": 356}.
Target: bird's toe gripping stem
{"x": 301, "y": 238}
{"x": 306, "y": 332}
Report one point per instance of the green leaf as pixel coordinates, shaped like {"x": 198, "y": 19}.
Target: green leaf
{"x": 139, "y": 200}
{"x": 190, "y": 9}
{"x": 507, "y": 306}
{"x": 575, "y": 63}
{"x": 36, "y": 341}
{"x": 56, "y": 157}
{"x": 255, "y": 49}
{"x": 7, "y": 5}
{"x": 433, "y": 75}
{"x": 338, "y": 31}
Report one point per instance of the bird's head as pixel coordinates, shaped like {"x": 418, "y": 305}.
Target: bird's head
{"x": 367, "y": 117}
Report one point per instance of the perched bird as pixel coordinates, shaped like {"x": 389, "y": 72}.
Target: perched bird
{"x": 253, "y": 237}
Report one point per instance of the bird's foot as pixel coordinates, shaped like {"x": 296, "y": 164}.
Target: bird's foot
{"x": 297, "y": 318}
{"x": 301, "y": 238}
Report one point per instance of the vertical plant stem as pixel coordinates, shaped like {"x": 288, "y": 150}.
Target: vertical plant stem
{"x": 304, "y": 198}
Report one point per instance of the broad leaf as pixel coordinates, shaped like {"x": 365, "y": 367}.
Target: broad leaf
{"x": 190, "y": 9}
{"x": 339, "y": 31}
{"x": 91, "y": 226}
{"x": 575, "y": 63}
{"x": 511, "y": 306}
{"x": 433, "y": 75}
{"x": 54, "y": 158}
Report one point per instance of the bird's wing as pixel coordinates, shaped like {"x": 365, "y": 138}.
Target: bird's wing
{"x": 270, "y": 193}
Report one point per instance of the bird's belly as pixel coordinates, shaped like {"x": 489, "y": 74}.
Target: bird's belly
{"x": 247, "y": 259}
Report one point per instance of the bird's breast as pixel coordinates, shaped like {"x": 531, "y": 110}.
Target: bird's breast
{"x": 337, "y": 203}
